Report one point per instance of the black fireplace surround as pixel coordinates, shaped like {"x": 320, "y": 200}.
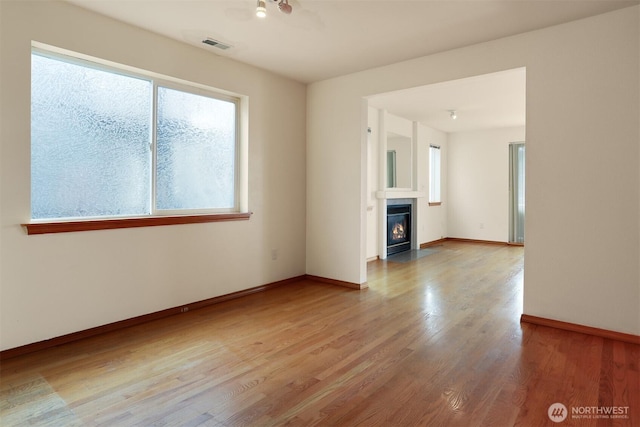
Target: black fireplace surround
{"x": 398, "y": 228}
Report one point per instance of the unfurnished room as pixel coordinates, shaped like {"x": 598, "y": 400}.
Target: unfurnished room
{"x": 319, "y": 213}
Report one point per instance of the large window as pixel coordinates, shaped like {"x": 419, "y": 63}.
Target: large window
{"x": 435, "y": 198}
{"x": 107, "y": 143}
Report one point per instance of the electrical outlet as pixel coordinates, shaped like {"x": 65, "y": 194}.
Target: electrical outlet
{"x": 482, "y": 226}
{"x": 274, "y": 254}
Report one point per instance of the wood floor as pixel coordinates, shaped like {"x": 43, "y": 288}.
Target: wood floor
{"x": 432, "y": 342}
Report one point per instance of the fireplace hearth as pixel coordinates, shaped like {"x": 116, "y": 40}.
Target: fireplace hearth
{"x": 398, "y": 228}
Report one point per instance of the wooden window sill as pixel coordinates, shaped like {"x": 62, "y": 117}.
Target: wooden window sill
{"x": 435, "y": 203}
{"x": 110, "y": 224}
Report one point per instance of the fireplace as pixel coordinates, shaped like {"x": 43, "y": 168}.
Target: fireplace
{"x": 398, "y": 228}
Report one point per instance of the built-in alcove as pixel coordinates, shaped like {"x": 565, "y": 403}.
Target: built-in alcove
{"x": 397, "y": 193}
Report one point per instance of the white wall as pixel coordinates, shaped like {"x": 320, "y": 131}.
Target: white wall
{"x": 479, "y": 183}
{"x": 373, "y": 149}
{"x": 56, "y": 284}
{"x": 582, "y": 224}
{"x": 432, "y": 220}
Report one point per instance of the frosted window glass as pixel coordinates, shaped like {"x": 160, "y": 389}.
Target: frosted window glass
{"x": 90, "y": 136}
{"x": 196, "y": 151}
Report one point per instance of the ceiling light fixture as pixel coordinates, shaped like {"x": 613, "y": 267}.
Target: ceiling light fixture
{"x": 283, "y": 6}
{"x": 452, "y": 114}
{"x": 261, "y": 11}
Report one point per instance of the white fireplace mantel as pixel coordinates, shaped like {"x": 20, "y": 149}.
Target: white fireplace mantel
{"x": 400, "y": 194}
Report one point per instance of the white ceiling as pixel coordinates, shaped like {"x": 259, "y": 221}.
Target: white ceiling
{"x": 321, "y": 39}
{"x": 489, "y": 101}
{"x": 328, "y": 38}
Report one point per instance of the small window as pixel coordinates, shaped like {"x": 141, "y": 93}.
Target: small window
{"x": 108, "y": 143}
{"x": 434, "y": 176}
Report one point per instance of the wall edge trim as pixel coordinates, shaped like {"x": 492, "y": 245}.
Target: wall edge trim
{"x": 574, "y": 327}
{"x": 350, "y": 285}
{"x": 134, "y": 321}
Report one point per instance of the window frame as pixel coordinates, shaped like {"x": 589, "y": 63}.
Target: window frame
{"x": 236, "y": 178}
{"x": 435, "y": 201}
{"x": 156, "y": 216}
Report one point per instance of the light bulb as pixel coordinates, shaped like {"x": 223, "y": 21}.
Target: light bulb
{"x": 261, "y": 11}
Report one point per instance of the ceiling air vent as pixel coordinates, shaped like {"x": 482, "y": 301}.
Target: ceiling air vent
{"x": 216, "y": 43}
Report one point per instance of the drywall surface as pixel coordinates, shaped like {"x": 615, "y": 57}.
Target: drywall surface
{"x": 478, "y": 177}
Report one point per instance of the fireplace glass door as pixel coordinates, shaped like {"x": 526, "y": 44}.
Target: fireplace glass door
{"x": 398, "y": 228}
